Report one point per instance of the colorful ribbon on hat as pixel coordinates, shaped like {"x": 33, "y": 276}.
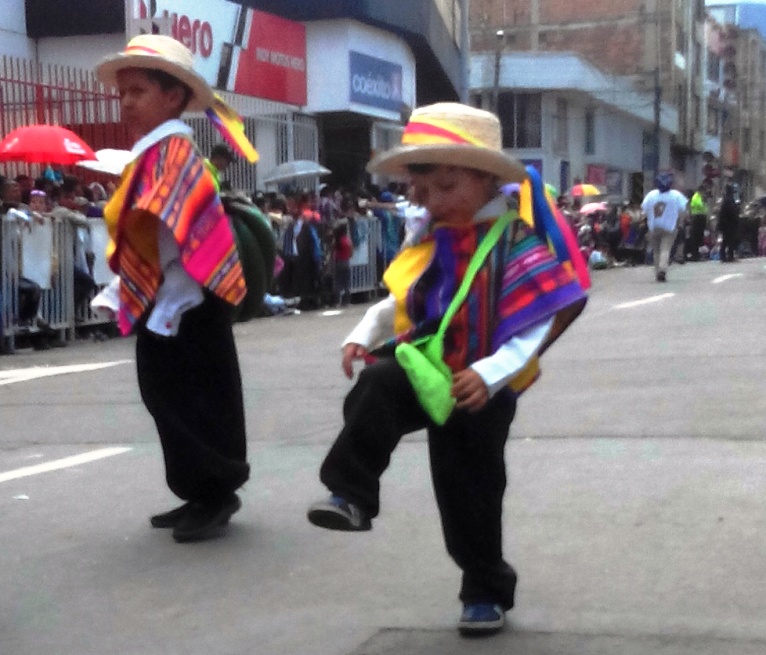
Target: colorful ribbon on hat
{"x": 537, "y": 209}
{"x": 232, "y": 127}
{"x": 429, "y": 132}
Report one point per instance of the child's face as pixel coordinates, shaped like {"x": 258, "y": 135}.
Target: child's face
{"x": 38, "y": 204}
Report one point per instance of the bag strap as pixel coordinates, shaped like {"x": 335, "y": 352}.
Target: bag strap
{"x": 485, "y": 247}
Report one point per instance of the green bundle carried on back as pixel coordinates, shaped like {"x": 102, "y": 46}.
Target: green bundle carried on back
{"x": 257, "y": 251}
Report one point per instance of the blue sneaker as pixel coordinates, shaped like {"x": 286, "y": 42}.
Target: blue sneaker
{"x": 338, "y": 514}
{"x": 481, "y": 619}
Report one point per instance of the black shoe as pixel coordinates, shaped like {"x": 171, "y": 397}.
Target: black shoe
{"x": 338, "y": 514}
{"x": 169, "y": 519}
{"x": 661, "y": 277}
{"x": 204, "y": 520}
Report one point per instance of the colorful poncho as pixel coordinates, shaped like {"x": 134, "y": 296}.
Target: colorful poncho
{"x": 520, "y": 285}
{"x": 169, "y": 182}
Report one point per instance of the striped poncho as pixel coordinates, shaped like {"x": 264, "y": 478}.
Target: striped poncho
{"x": 169, "y": 182}
{"x": 520, "y": 285}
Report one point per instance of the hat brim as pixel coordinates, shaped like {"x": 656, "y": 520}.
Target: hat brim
{"x": 395, "y": 161}
{"x": 202, "y": 98}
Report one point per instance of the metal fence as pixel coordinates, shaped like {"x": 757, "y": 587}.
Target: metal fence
{"x": 32, "y": 93}
{"x": 366, "y": 262}
{"x": 56, "y": 307}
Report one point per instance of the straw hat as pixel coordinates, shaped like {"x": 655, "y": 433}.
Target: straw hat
{"x": 159, "y": 52}
{"x": 452, "y": 134}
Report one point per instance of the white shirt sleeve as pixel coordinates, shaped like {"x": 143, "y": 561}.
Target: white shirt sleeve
{"x": 376, "y": 326}
{"x": 500, "y": 368}
{"x": 177, "y": 293}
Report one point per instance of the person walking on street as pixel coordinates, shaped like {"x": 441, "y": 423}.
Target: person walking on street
{"x": 699, "y": 216}
{"x": 179, "y": 274}
{"x": 664, "y": 207}
{"x": 520, "y": 299}
{"x": 728, "y": 224}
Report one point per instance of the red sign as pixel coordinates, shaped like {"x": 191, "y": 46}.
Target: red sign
{"x": 272, "y": 64}
{"x": 596, "y": 175}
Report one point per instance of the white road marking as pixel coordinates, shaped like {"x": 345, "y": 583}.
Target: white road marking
{"x": 644, "y": 301}
{"x": 332, "y": 312}
{"x": 35, "y": 372}
{"x": 724, "y": 278}
{"x": 66, "y": 462}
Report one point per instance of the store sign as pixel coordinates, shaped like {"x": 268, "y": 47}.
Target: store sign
{"x": 235, "y": 48}
{"x": 375, "y": 82}
{"x": 272, "y": 62}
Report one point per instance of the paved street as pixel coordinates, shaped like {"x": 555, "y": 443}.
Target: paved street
{"x": 635, "y": 515}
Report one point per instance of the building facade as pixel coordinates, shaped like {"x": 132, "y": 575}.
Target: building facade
{"x": 571, "y": 121}
{"x": 743, "y": 80}
{"x": 327, "y": 81}
{"x": 658, "y": 45}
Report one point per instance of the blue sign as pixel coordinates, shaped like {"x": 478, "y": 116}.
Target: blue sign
{"x": 375, "y": 82}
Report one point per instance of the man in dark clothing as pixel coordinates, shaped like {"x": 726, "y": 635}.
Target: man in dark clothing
{"x": 728, "y": 224}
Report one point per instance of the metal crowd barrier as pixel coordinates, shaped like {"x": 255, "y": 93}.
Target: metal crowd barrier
{"x": 365, "y": 272}
{"x": 57, "y": 308}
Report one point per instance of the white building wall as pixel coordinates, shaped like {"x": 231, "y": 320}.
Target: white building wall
{"x": 13, "y": 31}
{"x": 82, "y": 52}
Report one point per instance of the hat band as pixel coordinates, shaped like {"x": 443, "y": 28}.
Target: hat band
{"x": 426, "y": 133}
{"x": 141, "y": 50}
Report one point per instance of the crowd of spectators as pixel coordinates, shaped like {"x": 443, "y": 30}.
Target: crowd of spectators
{"x": 616, "y": 233}
{"x": 318, "y": 233}
{"x": 52, "y": 198}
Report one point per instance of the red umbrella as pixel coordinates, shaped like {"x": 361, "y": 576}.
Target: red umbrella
{"x": 44, "y": 144}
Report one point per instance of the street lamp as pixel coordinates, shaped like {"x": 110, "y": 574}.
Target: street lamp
{"x": 500, "y": 34}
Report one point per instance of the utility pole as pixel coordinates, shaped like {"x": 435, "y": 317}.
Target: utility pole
{"x": 465, "y": 52}
{"x": 500, "y": 34}
{"x": 657, "y": 123}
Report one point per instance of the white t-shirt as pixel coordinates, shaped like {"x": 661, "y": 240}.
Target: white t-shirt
{"x": 662, "y": 208}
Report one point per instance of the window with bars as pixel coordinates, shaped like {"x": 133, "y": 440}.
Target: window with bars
{"x": 521, "y": 119}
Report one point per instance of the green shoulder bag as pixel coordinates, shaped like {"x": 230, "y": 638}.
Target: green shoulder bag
{"x": 423, "y": 360}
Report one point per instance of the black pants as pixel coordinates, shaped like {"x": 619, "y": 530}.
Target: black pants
{"x": 467, "y": 469}
{"x": 696, "y": 237}
{"x": 342, "y": 282}
{"x": 29, "y": 299}
{"x": 729, "y": 243}
{"x": 191, "y": 386}
{"x": 83, "y": 286}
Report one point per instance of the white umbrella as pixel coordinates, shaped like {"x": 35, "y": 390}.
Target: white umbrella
{"x": 109, "y": 161}
{"x": 293, "y": 170}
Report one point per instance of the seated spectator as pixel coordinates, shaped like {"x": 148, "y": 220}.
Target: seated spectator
{"x": 11, "y": 195}
{"x": 69, "y": 208}
{"x": 26, "y": 183}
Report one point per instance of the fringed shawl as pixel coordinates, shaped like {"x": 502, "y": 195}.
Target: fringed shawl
{"x": 169, "y": 182}
{"x": 520, "y": 285}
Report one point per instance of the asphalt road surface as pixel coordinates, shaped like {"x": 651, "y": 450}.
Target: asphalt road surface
{"x": 635, "y": 513}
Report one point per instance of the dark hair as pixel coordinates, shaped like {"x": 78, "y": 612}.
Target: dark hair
{"x": 223, "y": 151}
{"x": 166, "y": 82}
{"x": 70, "y": 184}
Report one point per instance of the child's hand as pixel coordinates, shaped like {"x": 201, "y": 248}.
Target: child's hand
{"x": 352, "y": 351}
{"x": 469, "y": 390}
